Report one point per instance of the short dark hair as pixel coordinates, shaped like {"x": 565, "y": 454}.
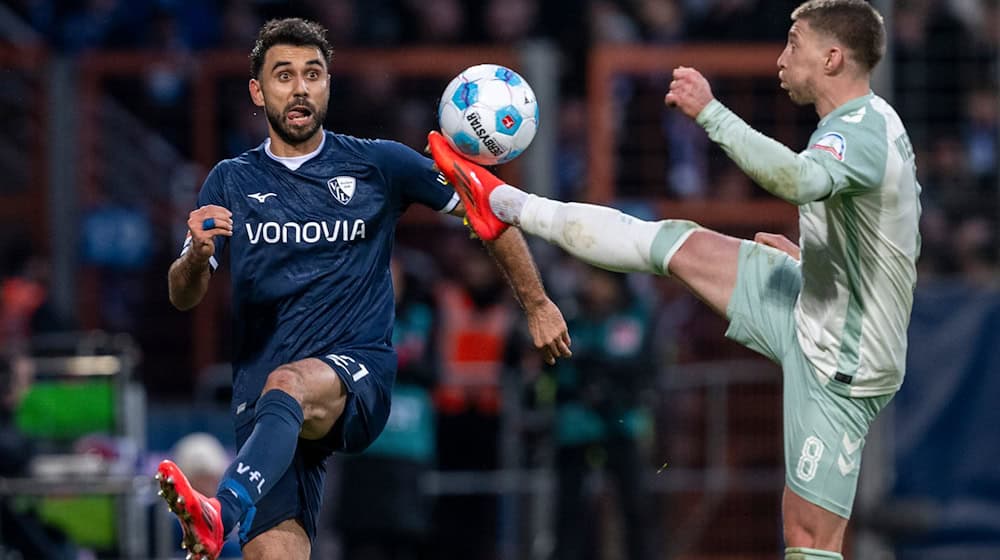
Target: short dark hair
{"x": 289, "y": 31}
{"x": 855, "y": 23}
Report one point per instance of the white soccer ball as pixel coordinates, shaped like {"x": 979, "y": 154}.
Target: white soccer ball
{"x": 489, "y": 114}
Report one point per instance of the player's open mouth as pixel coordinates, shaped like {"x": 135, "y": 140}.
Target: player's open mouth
{"x": 298, "y": 116}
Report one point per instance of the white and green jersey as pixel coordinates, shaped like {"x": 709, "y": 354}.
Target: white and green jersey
{"x": 859, "y": 249}
{"x": 859, "y": 208}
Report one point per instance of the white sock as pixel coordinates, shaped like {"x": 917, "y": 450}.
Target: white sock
{"x": 605, "y": 237}
{"x": 506, "y": 202}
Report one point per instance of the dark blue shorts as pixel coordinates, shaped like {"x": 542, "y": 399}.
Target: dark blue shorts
{"x": 368, "y": 376}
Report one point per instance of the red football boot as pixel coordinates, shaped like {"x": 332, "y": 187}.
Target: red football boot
{"x": 473, "y": 184}
{"x": 200, "y": 517}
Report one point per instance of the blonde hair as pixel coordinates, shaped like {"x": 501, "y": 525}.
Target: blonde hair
{"x": 854, "y": 23}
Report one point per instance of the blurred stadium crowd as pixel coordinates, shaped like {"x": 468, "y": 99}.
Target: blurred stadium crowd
{"x": 943, "y": 66}
{"x": 459, "y": 336}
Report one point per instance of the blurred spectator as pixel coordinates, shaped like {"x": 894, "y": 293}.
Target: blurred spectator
{"x": 980, "y": 134}
{"x": 565, "y": 22}
{"x": 203, "y": 459}
{"x": 682, "y": 413}
{"x": 946, "y": 179}
{"x": 601, "y": 423}
{"x": 611, "y": 24}
{"x": 25, "y": 308}
{"x": 434, "y": 22}
{"x": 928, "y": 43}
{"x": 571, "y": 149}
{"x": 737, "y": 20}
{"x": 22, "y": 533}
{"x": 935, "y": 238}
{"x": 240, "y": 24}
{"x": 340, "y": 17}
{"x": 166, "y": 84}
{"x": 687, "y": 164}
{"x": 16, "y": 449}
{"x": 476, "y": 322}
{"x": 118, "y": 239}
{"x": 508, "y": 22}
{"x": 405, "y": 113}
{"x": 383, "y": 512}
{"x": 97, "y": 23}
{"x": 381, "y": 23}
{"x": 724, "y": 20}
{"x": 981, "y": 19}
{"x": 374, "y": 23}
{"x": 197, "y": 22}
{"x": 661, "y": 21}
{"x": 975, "y": 245}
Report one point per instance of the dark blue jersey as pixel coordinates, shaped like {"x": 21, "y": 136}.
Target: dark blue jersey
{"x": 310, "y": 249}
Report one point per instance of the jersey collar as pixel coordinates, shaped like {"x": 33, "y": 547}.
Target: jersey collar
{"x": 852, "y": 105}
{"x": 295, "y": 162}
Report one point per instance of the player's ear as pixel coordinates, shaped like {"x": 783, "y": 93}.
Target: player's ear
{"x": 256, "y": 95}
{"x": 834, "y": 60}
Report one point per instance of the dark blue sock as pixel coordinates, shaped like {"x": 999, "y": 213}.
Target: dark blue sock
{"x": 262, "y": 460}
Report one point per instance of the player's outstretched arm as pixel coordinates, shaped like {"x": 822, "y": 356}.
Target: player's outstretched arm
{"x": 545, "y": 322}
{"x": 776, "y": 168}
{"x": 188, "y": 277}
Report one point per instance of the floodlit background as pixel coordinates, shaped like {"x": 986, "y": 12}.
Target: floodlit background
{"x": 659, "y": 439}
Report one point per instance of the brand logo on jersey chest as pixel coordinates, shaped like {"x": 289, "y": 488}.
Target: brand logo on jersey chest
{"x": 308, "y": 232}
{"x": 342, "y": 188}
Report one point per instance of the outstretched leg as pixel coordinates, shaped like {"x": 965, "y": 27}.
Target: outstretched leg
{"x": 703, "y": 260}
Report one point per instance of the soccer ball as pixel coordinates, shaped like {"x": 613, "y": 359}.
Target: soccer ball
{"x": 489, "y": 114}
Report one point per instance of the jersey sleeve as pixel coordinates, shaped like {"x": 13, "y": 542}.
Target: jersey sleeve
{"x": 772, "y": 165}
{"x": 415, "y": 177}
{"x": 212, "y": 192}
{"x": 853, "y": 150}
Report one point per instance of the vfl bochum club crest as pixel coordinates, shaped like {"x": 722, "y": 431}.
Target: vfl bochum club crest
{"x": 342, "y": 188}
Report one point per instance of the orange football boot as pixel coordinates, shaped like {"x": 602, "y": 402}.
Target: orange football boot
{"x": 200, "y": 517}
{"x": 473, "y": 183}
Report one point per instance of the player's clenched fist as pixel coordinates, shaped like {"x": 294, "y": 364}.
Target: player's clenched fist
{"x": 204, "y": 224}
{"x": 689, "y": 91}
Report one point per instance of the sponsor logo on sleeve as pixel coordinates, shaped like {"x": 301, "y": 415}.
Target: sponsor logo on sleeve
{"x": 832, "y": 142}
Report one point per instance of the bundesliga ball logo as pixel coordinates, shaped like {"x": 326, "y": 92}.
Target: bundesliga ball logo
{"x": 489, "y": 114}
